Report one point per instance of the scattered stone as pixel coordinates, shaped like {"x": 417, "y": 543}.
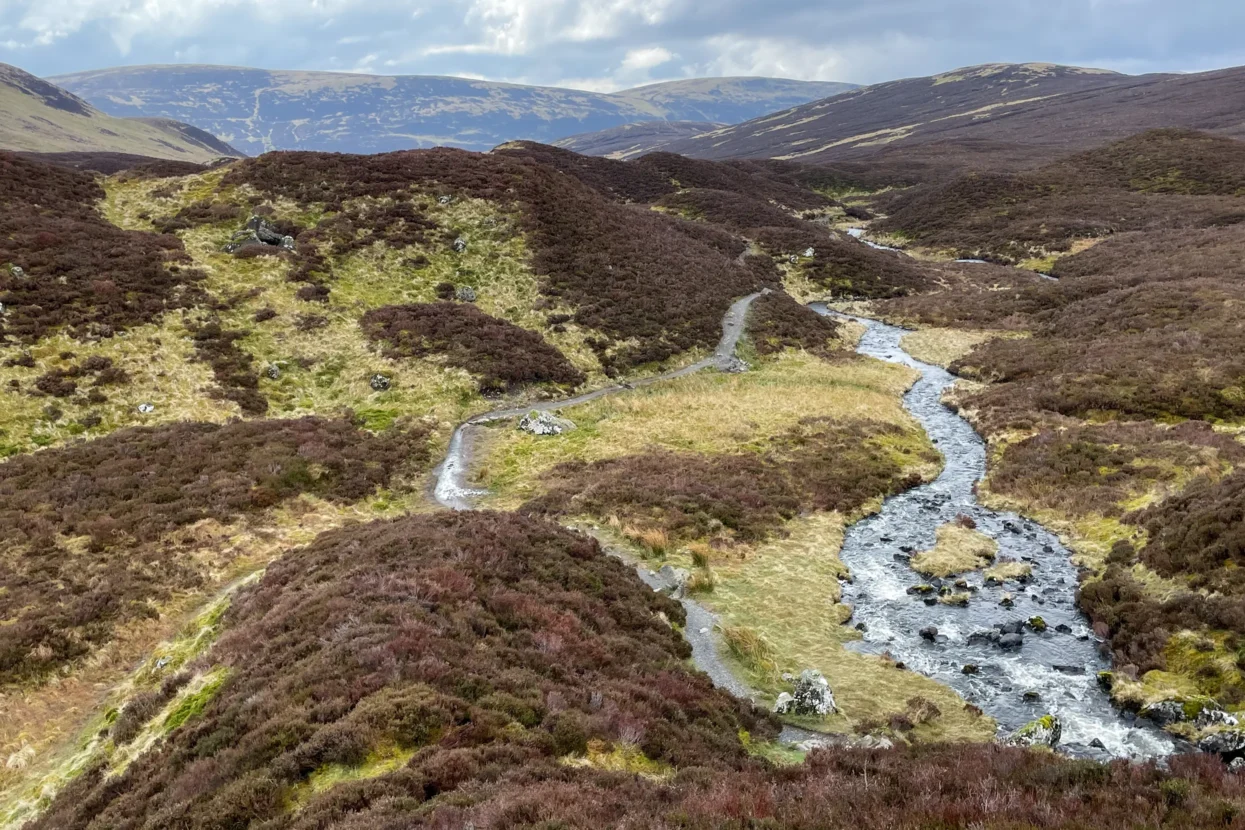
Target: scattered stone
{"x": 17, "y": 272}
{"x": 258, "y": 231}
{"x": 793, "y": 259}
{"x": 809, "y": 253}
{"x": 445, "y": 200}
{"x": 1077, "y": 670}
{"x": 861, "y": 627}
{"x": 1106, "y": 680}
{"x": 1045, "y": 731}
{"x": 273, "y": 372}
{"x": 929, "y": 634}
{"x": 1031, "y": 697}
{"x": 1237, "y": 765}
{"x": 465, "y": 294}
{"x": 971, "y": 668}
{"x": 1011, "y": 628}
{"x": 872, "y": 742}
{"x": 544, "y": 423}
{"x": 1011, "y": 641}
{"x": 1037, "y": 624}
{"x": 1214, "y": 716}
{"x": 734, "y": 366}
{"x": 810, "y": 696}
{"x": 921, "y": 589}
{"x": 930, "y": 601}
{"x": 1063, "y": 628}
{"x": 146, "y": 408}
{"x": 460, "y": 245}
{"x": 1007, "y": 601}
{"x": 1097, "y": 743}
{"x": 380, "y": 383}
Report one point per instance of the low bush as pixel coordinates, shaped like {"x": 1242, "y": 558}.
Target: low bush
{"x": 777, "y": 322}
{"x": 82, "y": 524}
{"x": 503, "y": 355}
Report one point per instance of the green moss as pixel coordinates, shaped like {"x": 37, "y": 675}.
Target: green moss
{"x": 190, "y": 705}
{"x": 380, "y": 761}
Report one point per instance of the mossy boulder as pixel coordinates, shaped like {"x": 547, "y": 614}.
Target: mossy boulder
{"x": 1045, "y": 731}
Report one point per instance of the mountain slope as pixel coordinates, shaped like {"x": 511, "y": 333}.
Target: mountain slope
{"x": 262, "y": 110}
{"x": 633, "y": 140}
{"x": 41, "y": 117}
{"x": 985, "y": 111}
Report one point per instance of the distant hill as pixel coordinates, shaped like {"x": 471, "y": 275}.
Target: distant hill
{"x": 36, "y": 116}
{"x": 259, "y": 110}
{"x": 633, "y": 140}
{"x": 1035, "y": 111}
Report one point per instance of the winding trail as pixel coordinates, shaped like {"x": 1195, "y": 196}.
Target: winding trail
{"x": 451, "y": 489}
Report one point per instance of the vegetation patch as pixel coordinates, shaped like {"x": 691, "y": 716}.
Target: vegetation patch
{"x": 80, "y": 526}
{"x": 958, "y": 549}
{"x": 501, "y": 354}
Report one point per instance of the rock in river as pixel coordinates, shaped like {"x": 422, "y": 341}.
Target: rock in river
{"x": 1045, "y": 731}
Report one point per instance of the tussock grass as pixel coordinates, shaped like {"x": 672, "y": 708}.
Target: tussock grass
{"x": 956, "y": 551}
{"x": 620, "y": 757}
{"x": 942, "y": 346}
{"x": 1008, "y": 570}
{"x": 705, "y": 413}
{"x": 381, "y": 761}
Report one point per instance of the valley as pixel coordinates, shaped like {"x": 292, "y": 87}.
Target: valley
{"x": 526, "y": 488}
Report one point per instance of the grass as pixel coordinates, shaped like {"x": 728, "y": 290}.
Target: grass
{"x": 381, "y": 761}
{"x": 621, "y": 757}
{"x": 189, "y": 702}
{"x": 704, "y": 413}
{"x": 941, "y": 346}
{"x": 1008, "y": 570}
{"x": 956, "y": 551}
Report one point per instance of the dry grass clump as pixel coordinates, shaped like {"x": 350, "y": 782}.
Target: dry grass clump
{"x": 958, "y": 549}
{"x": 1008, "y": 570}
{"x": 941, "y": 346}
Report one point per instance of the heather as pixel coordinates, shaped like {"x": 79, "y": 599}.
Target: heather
{"x": 77, "y": 271}
{"x": 502, "y": 355}
{"x": 777, "y": 322}
{"x": 481, "y": 649}
{"x": 80, "y": 526}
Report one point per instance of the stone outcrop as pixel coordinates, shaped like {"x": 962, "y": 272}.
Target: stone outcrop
{"x": 544, "y": 423}
{"x": 810, "y": 696}
{"x": 259, "y": 232}
{"x": 1045, "y": 731}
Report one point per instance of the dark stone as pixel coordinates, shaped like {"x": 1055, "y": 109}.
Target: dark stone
{"x": 1063, "y": 628}
{"x": 1098, "y": 744}
{"x": 970, "y": 669}
{"x": 1069, "y": 669}
{"x": 1011, "y": 641}
{"x": 929, "y": 634}
{"x": 380, "y": 383}
{"x": 1031, "y": 697}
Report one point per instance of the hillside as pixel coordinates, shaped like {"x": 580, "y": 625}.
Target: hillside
{"x": 970, "y": 116}
{"x": 232, "y": 596}
{"x": 259, "y": 110}
{"x": 634, "y": 140}
{"x": 39, "y": 117}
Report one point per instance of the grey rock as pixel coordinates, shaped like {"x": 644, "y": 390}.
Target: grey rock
{"x": 872, "y": 742}
{"x": 971, "y": 668}
{"x": 460, "y": 245}
{"x": 544, "y": 423}
{"x": 734, "y": 366}
{"x": 675, "y": 579}
{"x": 1237, "y": 765}
{"x": 146, "y": 408}
{"x": 811, "y": 696}
{"x": 1212, "y": 715}
{"x": 809, "y": 253}
{"x": 445, "y": 200}
{"x": 17, "y": 272}
{"x": 273, "y": 372}
{"x": 929, "y": 634}
{"x": 1010, "y": 641}
{"x": 1164, "y": 712}
{"x": 1045, "y": 731}
{"x": 465, "y": 294}
{"x": 1097, "y": 743}
{"x": 1227, "y": 742}
{"x": 1031, "y": 697}
{"x": 287, "y": 242}
{"x": 380, "y": 383}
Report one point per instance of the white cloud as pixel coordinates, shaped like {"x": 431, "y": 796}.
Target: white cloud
{"x": 644, "y": 59}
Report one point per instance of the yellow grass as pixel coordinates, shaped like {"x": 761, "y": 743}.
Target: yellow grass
{"x": 707, "y": 413}
{"x": 956, "y": 551}
{"x": 1009, "y": 570}
{"x": 942, "y": 347}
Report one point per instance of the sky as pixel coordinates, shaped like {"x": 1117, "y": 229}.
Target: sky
{"x": 605, "y": 45}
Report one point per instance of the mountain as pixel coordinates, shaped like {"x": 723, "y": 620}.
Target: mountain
{"x": 1035, "y": 111}
{"x": 41, "y": 117}
{"x": 633, "y": 140}
{"x": 260, "y": 110}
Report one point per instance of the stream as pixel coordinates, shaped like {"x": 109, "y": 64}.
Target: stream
{"x": 1056, "y": 668}
{"x": 1051, "y": 672}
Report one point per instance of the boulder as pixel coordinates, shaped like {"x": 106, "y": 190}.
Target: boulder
{"x": 734, "y": 366}
{"x": 273, "y": 372}
{"x": 971, "y": 668}
{"x": 258, "y": 231}
{"x": 1011, "y": 641}
{"x": 809, "y": 253}
{"x": 1164, "y": 712}
{"x": 544, "y": 423}
{"x": 1031, "y": 697}
{"x": 17, "y": 272}
{"x": 1237, "y": 765}
{"x": 380, "y": 383}
{"x": 930, "y": 634}
{"x": 811, "y": 696}
{"x": 445, "y": 200}
{"x": 460, "y": 245}
{"x": 1229, "y": 742}
{"x": 465, "y": 294}
{"x": 1037, "y": 624}
{"x": 1045, "y": 731}
{"x": 873, "y": 742}
{"x": 675, "y": 579}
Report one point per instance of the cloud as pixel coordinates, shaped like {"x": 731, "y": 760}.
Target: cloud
{"x": 607, "y": 44}
{"x": 643, "y": 59}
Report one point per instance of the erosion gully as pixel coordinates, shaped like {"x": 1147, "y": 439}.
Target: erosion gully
{"x": 1052, "y": 672}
